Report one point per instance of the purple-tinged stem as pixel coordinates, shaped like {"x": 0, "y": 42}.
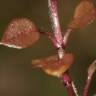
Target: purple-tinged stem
{"x": 91, "y": 70}
{"x": 57, "y": 32}
{"x": 52, "y": 4}
{"x": 87, "y": 86}
{"x": 67, "y": 81}
{"x": 66, "y": 36}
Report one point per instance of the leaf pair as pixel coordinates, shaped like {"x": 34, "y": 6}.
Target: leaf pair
{"x": 84, "y": 14}
{"x": 20, "y": 33}
{"x": 53, "y": 66}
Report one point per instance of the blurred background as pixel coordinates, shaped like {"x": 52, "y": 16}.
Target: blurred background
{"x": 17, "y": 77}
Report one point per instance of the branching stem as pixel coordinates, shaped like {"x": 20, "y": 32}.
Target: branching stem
{"x": 66, "y": 79}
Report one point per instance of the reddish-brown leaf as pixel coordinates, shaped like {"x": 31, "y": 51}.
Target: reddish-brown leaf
{"x": 53, "y": 66}
{"x": 84, "y": 14}
{"x": 20, "y": 33}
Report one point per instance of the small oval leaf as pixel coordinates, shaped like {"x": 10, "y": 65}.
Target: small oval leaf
{"x": 20, "y": 33}
{"x": 53, "y": 66}
{"x": 84, "y": 14}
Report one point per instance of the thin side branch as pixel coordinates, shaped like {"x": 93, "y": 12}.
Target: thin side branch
{"x": 91, "y": 70}
{"x": 87, "y": 86}
{"x": 66, "y": 36}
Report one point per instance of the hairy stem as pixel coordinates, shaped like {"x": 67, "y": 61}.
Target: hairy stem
{"x": 68, "y": 83}
{"x": 55, "y": 20}
{"x": 57, "y": 32}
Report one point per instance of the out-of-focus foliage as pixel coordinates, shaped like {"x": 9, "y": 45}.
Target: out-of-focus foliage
{"x": 85, "y": 13}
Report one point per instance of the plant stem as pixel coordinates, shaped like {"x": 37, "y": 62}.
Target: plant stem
{"x": 66, "y": 79}
{"x": 68, "y": 83}
{"x": 90, "y": 72}
{"x": 87, "y": 86}
{"x": 66, "y": 36}
{"x": 55, "y": 21}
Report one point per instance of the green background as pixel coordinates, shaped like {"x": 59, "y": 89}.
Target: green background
{"x": 17, "y": 77}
